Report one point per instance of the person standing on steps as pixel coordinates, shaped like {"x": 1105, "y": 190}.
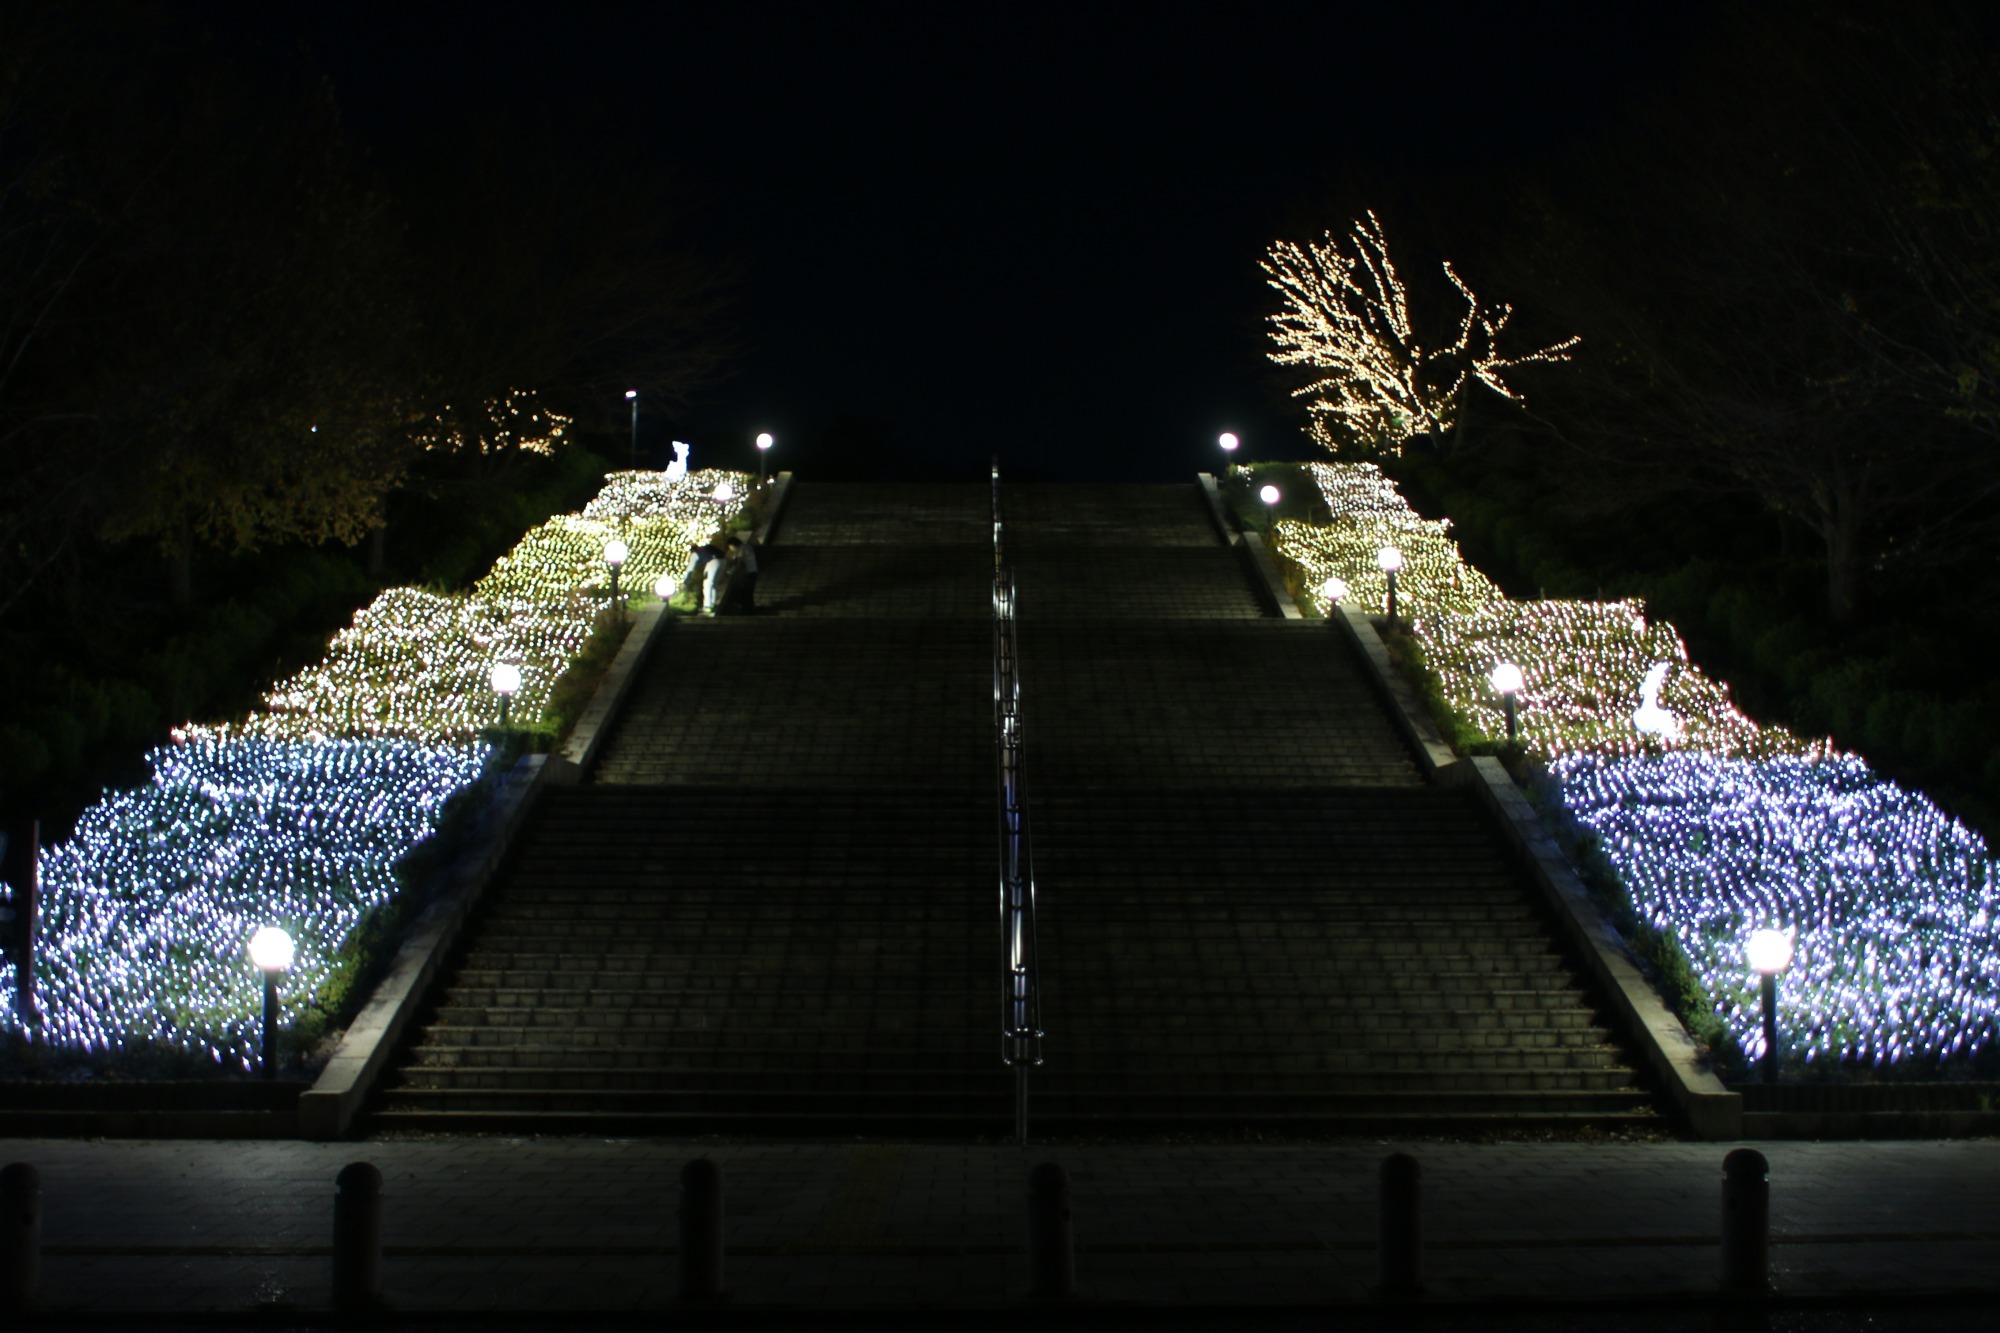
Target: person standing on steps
{"x": 743, "y": 583}
{"x": 703, "y": 561}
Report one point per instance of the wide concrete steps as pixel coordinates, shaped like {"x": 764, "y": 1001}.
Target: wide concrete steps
{"x": 1209, "y": 704}
{"x": 1325, "y": 957}
{"x": 706, "y": 959}
{"x": 780, "y": 701}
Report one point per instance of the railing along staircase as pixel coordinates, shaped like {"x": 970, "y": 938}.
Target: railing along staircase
{"x": 1021, "y": 1019}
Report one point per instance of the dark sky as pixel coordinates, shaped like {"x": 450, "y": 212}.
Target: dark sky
{"x": 1026, "y": 229}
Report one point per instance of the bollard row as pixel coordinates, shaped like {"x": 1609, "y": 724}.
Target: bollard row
{"x": 1051, "y": 1238}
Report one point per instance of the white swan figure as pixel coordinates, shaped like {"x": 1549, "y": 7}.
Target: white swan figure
{"x": 679, "y": 467}
{"x": 1651, "y": 719}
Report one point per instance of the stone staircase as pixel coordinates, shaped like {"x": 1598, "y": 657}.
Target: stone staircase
{"x": 773, "y": 907}
{"x": 684, "y": 960}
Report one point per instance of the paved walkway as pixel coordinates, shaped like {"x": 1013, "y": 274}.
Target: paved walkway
{"x": 552, "y": 1224}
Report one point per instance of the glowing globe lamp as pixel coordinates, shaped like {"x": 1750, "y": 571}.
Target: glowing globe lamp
{"x": 506, "y": 679}
{"x": 1389, "y": 560}
{"x": 1333, "y": 590}
{"x": 615, "y": 554}
{"x": 1770, "y": 952}
{"x": 764, "y": 443}
{"x": 271, "y": 951}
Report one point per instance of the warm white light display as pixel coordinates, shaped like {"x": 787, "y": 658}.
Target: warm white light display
{"x": 1716, "y": 825}
{"x": 419, "y": 665}
{"x": 299, "y": 812}
{"x": 271, "y": 949}
{"x": 1345, "y": 317}
{"x": 146, "y": 907}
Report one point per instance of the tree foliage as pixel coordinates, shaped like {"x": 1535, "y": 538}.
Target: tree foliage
{"x": 1788, "y": 271}
{"x": 223, "y": 327}
{"x": 1371, "y": 379}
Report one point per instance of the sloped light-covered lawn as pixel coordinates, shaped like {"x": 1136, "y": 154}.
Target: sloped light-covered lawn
{"x": 297, "y": 814}
{"x": 1717, "y": 825}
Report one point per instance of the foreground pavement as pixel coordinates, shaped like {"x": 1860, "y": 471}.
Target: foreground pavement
{"x": 502, "y": 1225}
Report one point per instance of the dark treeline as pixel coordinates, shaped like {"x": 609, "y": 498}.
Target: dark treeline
{"x": 1783, "y": 423}
{"x": 233, "y": 343}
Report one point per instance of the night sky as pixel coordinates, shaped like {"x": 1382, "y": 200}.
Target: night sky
{"x": 1024, "y": 229}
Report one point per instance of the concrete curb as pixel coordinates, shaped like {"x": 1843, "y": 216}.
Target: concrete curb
{"x": 1438, "y": 760}
{"x": 586, "y": 739}
{"x": 1711, "y": 1109}
{"x": 327, "y": 1110}
{"x": 1215, "y": 510}
{"x": 1267, "y": 574}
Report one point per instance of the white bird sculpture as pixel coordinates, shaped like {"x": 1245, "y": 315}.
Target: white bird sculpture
{"x": 1651, "y": 719}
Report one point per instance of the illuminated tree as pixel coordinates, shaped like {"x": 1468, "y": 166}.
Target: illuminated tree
{"x": 1374, "y": 380}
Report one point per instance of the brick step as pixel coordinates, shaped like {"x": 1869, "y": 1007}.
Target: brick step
{"x": 695, "y": 1080}
{"x": 1527, "y": 1009}
{"x": 919, "y": 920}
{"x": 818, "y": 1103}
{"x": 1084, "y": 1031}
{"x": 1131, "y": 1106}
{"x": 1165, "y": 1055}
{"x": 1193, "y": 1003}
{"x": 610, "y": 970}
{"x": 891, "y": 1032}
{"x": 1329, "y": 1120}
{"x": 693, "y": 1063}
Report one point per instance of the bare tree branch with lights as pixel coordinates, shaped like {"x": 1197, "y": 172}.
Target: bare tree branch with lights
{"x": 1374, "y": 380}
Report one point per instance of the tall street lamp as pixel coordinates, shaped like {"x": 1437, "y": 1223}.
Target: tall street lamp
{"x": 764, "y": 443}
{"x": 633, "y": 396}
{"x": 1389, "y": 560}
{"x": 615, "y": 552}
{"x": 1506, "y": 681}
{"x": 1770, "y": 952}
{"x": 506, "y": 682}
{"x": 1228, "y": 443}
{"x": 271, "y": 951}
{"x": 1270, "y": 496}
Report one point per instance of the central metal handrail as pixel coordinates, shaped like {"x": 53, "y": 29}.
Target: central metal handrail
{"x": 1021, "y": 1011}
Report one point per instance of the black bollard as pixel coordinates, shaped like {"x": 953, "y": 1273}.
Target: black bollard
{"x": 357, "y": 1236}
{"x": 1746, "y": 1222}
{"x": 701, "y": 1231}
{"x": 20, "y": 1235}
{"x": 1051, "y": 1235}
{"x": 1400, "y": 1238}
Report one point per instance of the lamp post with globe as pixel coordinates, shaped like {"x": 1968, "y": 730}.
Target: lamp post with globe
{"x": 271, "y": 951}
